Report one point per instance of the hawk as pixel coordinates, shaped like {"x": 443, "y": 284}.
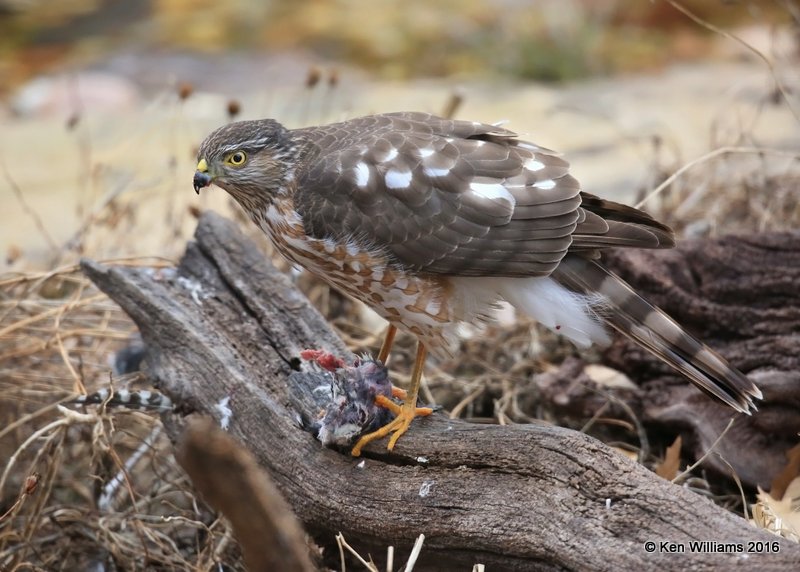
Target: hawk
{"x": 431, "y": 222}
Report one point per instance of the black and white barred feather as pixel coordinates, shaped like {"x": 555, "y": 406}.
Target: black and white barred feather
{"x": 130, "y": 399}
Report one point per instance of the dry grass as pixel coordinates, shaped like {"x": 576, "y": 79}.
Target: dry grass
{"x": 730, "y": 189}
{"x": 109, "y": 487}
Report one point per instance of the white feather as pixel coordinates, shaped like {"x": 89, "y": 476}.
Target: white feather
{"x": 542, "y": 298}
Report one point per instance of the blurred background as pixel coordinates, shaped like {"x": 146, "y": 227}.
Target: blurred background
{"x": 103, "y": 102}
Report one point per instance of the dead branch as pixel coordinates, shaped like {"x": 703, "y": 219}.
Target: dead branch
{"x": 230, "y": 480}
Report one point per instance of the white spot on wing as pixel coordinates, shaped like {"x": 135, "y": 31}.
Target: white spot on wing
{"x": 391, "y": 155}
{"x": 398, "y": 179}
{"x": 362, "y": 174}
{"x": 529, "y": 146}
{"x": 426, "y": 152}
{"x": 493, "y": 192}
{"x": 546, "y": 185}
{"x": 533, "y": 165}
{"x": 430, "y": 172}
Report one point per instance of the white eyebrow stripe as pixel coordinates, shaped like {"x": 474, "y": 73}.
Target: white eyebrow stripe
{"x": 260, "y": 142}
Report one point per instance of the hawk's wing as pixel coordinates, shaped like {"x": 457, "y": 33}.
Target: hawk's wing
{"x": 456, "y": 197}
{"x": 470, "y": 199}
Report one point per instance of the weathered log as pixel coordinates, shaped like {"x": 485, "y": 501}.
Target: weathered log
{"x": 740, "y": 295}
{"x": 226, "y": 323}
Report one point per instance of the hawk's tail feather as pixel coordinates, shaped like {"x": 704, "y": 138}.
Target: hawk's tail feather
{"x": 631, "y": 315}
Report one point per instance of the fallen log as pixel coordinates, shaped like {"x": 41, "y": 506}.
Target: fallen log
{"x": 225, "y": 324}
{"x": 740, "y": 295}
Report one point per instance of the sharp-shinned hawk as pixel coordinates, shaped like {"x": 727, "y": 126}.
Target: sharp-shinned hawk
{"x": 431, "y": 222}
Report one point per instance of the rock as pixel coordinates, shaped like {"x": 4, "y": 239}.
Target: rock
{"x": 68, "y": 94}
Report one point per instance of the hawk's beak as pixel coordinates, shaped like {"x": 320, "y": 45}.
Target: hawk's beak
{"x": 201, "y": 176}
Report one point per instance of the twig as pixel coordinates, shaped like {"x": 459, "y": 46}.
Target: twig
{"x": 688, "y": 471}
{"x": 27, "y": 208}
{"x": 390, "y": 559}
{"x": 412, "y": 559}
{"x": 52, "y": 312}
{"x": 69, "y": 418}
{"x": 710, "y": 155}
{"x": 708, "y": 25}
{"x": 28, "y": 488}
{"x": 738, "y": 484}
{"x": 111, "y": 488}
{"x": 343, "y": 545}
{"x": 455, "y": 413}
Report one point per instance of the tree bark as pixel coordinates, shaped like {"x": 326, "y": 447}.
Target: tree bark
{"x": 225, "y": 323}
{"x": 741, "y": 296}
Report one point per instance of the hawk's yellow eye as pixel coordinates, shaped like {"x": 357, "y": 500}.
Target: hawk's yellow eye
{"x": 237, "y": 158}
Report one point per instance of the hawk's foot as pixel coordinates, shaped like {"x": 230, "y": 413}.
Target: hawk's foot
{"x": 404, "y": 415}
{"x": 399, "y": 393}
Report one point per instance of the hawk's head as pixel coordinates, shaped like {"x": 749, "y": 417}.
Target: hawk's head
{"x": 249, "y": 159}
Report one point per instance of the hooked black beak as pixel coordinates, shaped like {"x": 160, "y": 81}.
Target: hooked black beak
{"x": 201, "y": 176}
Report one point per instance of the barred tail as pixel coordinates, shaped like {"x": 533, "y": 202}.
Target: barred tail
{"x": 631, "y": 315}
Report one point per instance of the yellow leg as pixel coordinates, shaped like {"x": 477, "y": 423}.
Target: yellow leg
{"x": 386, "y": 347}
{"x": 404, "y": 414}
{"x": 383, "y": 355}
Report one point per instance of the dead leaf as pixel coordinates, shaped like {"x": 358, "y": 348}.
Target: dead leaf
{"x": 792, "y": 470}
{"x": 632, "y": 455}
{"x": 608, "y": 377}
{"x": 779, "y": 516}
{"x": 668, "y": 468}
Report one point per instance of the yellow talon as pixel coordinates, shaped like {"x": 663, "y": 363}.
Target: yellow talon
{"x": 404, "y": 414}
